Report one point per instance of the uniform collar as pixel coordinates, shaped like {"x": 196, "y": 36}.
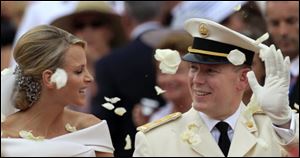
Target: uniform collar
{"x": 231, "y": 120}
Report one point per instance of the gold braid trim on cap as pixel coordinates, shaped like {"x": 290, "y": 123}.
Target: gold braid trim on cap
{"x": 190, "y": 49}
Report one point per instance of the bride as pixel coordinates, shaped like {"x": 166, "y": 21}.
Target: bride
{"x": 50, "y": 75}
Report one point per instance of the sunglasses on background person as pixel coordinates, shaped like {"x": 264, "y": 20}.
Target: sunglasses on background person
{"x": 80, "y": 25}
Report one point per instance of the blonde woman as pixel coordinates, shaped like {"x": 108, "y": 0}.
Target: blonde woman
{"x": 37, "y": 122}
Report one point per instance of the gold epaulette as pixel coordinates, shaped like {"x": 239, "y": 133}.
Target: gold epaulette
{"x": 147, "y": 127}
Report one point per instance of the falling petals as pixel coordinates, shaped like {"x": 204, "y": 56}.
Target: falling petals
{"x": 128, "y": 142}
{"x": 169, "y": 60}
{"x": 112, "y": 100}
{"x": 59, "y": 78}
{"x": 236, "y": 57}
{"x": 120, "y": 111}
{"x": 29, "y": 135}
{"x": 108, "y": 106}
{"x": 159, "y": 90}
{"x": 70, "y": 128}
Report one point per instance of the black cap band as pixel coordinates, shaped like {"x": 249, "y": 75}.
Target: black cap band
{"x": 218, "y": 49}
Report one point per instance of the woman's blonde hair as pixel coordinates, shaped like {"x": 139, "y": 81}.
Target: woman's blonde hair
{"x": 41, "y": 48}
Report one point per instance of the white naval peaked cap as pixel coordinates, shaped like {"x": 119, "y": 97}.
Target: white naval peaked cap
{"x": 213, "y": 42}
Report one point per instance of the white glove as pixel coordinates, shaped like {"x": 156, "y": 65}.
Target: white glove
{"x": 273, "y": 96}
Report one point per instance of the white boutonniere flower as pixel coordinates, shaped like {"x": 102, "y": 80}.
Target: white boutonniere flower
{"x": 59, "y": 78}
{"x": 28, "y": 135}
{"x": 236, "y": 57}
{"x": 108, "y": 106}
{"x": 112, "y": 100}
{"x": 159, "y": 90}
{"x": 70, "y": 128}
{"x": 169, "y": 60}
{"x": 191, "y": 135}
{"x": 128, "y": 142}
{"x": 120, "y": 111}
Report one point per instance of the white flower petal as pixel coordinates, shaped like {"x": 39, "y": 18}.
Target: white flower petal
{"x": 120, "y": 111}
{"x": 6, "y": 71}
{"x": 128, "y": 142}
{"x": 59, "y": 78}
{"x": 194, "y": 139}
{"x": 3, "y": 117}
{"x": 167, "y": 69}
{"x": 262, "y": 38}
{"x": 172, "y": 58}
{"x": 236, "y": 57}
{"x": 169, "y": 60}
{"x": 238, "y": 7}
{"x": 108, "y": 106}
{"x": 112, "y": 100}
{"x": 70, "y": 128}
{"x": 159, "y": 56}
{"x": 296, "y": 106}
{"x": 190, "y": 135}
{"x": 29, "y": 135}
{"x": 159, "y": 90}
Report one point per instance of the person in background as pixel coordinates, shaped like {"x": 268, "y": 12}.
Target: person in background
{"x": 129, "y": 72}
{"x": 177, "y": 93}
{"x": 97, "y": 23}
{"x": 51, "y": 74}
{"x": 219, "y": 123}
{"x": 283, "y": 25}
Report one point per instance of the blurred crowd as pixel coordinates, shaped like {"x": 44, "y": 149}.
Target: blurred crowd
{"x": 122, "y": 38}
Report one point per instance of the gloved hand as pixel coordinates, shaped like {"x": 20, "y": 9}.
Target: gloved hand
{"x": 273, "y": 96}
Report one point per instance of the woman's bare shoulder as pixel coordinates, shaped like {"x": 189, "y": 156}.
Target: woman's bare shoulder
{"x": 82, "y": 120}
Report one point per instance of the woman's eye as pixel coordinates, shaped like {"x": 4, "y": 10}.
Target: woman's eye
{"x": 78, "y": 72}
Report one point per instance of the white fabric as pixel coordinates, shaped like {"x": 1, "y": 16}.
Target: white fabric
{"x": 212, "y": 10}
{"x": 295, "y": 66}
{"x": 137, "y": 31}
{"x": 82, "y": 143}
{"x": 287, "y": 134}
{"x": 273, "y": 96}
{"x": 8, "y": 82}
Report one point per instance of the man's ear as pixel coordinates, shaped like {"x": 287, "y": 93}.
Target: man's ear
{"x": 46, "y": 79}
{"x": 243, "y": 79}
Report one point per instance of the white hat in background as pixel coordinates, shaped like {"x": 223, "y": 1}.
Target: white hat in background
{"x": 214, "y": 44}
{"x": 213, "y": 10}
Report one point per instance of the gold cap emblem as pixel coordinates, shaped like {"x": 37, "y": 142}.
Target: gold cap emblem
{"x": 203, "y": 30}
